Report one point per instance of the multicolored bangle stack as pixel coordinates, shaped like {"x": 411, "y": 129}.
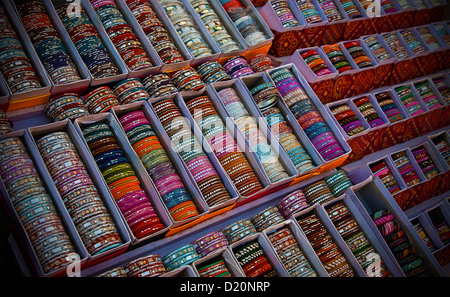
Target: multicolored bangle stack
{"x": 79, "y": 194}
{"x": 155, "y": 31}
{"x": 101, "y": 99}
{"x": 253, "y": 261}
{"x": 65, "y": 106}
{"x": 191, "y": 152}
{"x": 214, "y": 25}
{"x": 318, "y": 192}
{"x": 212, "y": 71}
{"x": 267, "y": 217}
{"x": 399, "y": 244}
{"x": 443, "y": 33}
{"x": 239, "y": 230}
{"x": 158, "y": 85}
{"x": 146, "y": 144}
{"x": 49, "y": 47}
{"x": 309, "y": 11}
{"x": 443, "y": 88}
{"x": 427, "y": 95}
{"x": 15, "y": 64}
{"x": 147, "y": 266}
{"x": 382, "y": 170}
{"x": 332, "y": 259}
{"x": 428, "y": 37}
{"x": 247, "y": 125}
{"x": 350, "y": 9}
{"x": 407, "y": 98}
{"x": 443, "y": 231}
{"x": 121, "y": 35}
{"x": 336, "y": 57}
{"x": 180, "y": 257}
{"x": 187, "y": 79}
{"x": 118, "y": 271}
{"x": 395, "y": 45}
{"x": 290, "y": 253}
{"x": 130, "y": 90}
{"x": 338, "y": 182}
{"x": 237, "y": 67}
{"x": 6, "y": 125}
{"x": 315, "y": 63}
{"x": 405, "y": 168}
{"x": 365, "y": 4}
{"x": 387, "y": 6}
{"x": 284, "y": 13}
{"x": 355, "y": 239}
{"x": 210, "y": 243}
{"x": 376, "y": 48}
{"x": 443, "y": 148}
{"x": 404, "y": 4}
{"x": 306, "y": 114}
{"x": 121, "y": 180}
{"x": 412, "y": 41}
{"x": 292, "y": 203}
{"x": 245, "y": 21}
{"x": 261, "y": 63}
{"x": 34, "y": 207}
{"x": 330, "y": 10}
{"x": 359, "y": 56}
{"x": 224, "y": 146}
{"x": 214, "y": 269}
{"x": 347, "y": 119}
{"x": 388, "y": 106}
{"x": 419, "y": 228}
{"x": 88, "y": 43}
{"x": 368, "y": 111}
{"x": 186, "y": 28}
{"x": 426, "y": 164}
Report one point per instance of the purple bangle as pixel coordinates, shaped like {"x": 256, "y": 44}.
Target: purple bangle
{"x": 323, "y": 71}
{"x": 351, "y": 125}
{"x": 376, "y": 122}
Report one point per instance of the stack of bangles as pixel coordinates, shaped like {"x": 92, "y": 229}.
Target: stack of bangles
{"x": 443, "y": 231}
{"x": 65, "y": 106}
{"x": 359, "y": 56}
{"x": 155, "y": 31}
{"x": 224, "y": 146}
{"x": 292, "y": 203}
{"x": 366, "y": 108}
{"x": 239, "y": 230}
{"x": 423, "y": 235}
{"x": 49, "y": 47}
{"x": 405, "y": 168}
{"x": 121, "y": 35}
{"x": 365, "y": 4}
{"x": 158, "y": 85}
{"x": 338, "y": 182}
{"x": 212, "y": 71}
{"x": 237, "y": 67}
{"x": 118, "y": 271}
{"x": 101, "y": 99}
{"x": 6, "y": 125}
{"x": 284, "y": 13}
{"x": 318, "y": 192}
{"x": 168, "y": 183}
{"x": 146, "y": 266}
{"x": 247, "y": 125}
{"x": 412, "y": 41}
{"x": 309, "y": 11}
{"x": 261, "y": 63}
{"x": 130, "y": 90}
{"x": 121, "y": 179}
{"x": 332, "y": 259}
{"x": 442, "y": 32}
{"x": 347, "y": 119}
{"x": 443, "y": 148}
{"x": 34, "y": 207}
{"x": 253, "y": 261}
{"x": 245, "y": 21}
{"x": 191, "y": 152}
{"x": 388, "y": 106}
{"x": 404, "y": 4}
{"x": 182, "y": 256}
{"x": 210, "y": 243}
{"x": 425, "y": 162}
{"x": 443, "y": 88}
{"x": 186, "y": 28}
{"x": 306, "y": 114}
{"x": 88, "y": 43}
{"x": 216, "y": 268}
{"x": 267, "y": 217}
{"x": 398, "y": 242}
{"x": 290, "y": 253}
{"x": 428, "y": 37}
{"x": 350, "y": 9}
{"x": 330, "y": 10}
{"x": 315, "y": 62}
{"x": 407, "y": 98}
{"x": 382, "y": 170}
{"x": 336, "y": 57}
{"x": 376, "y": 48}
{"x": 187, "y": 79}
{"x": 427, "y": 95}
{"x": 387, "y": 6}
{"x": 395, "y": 45}
{"x": 354, "y": 237}
{"x": 79, "y": 194}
